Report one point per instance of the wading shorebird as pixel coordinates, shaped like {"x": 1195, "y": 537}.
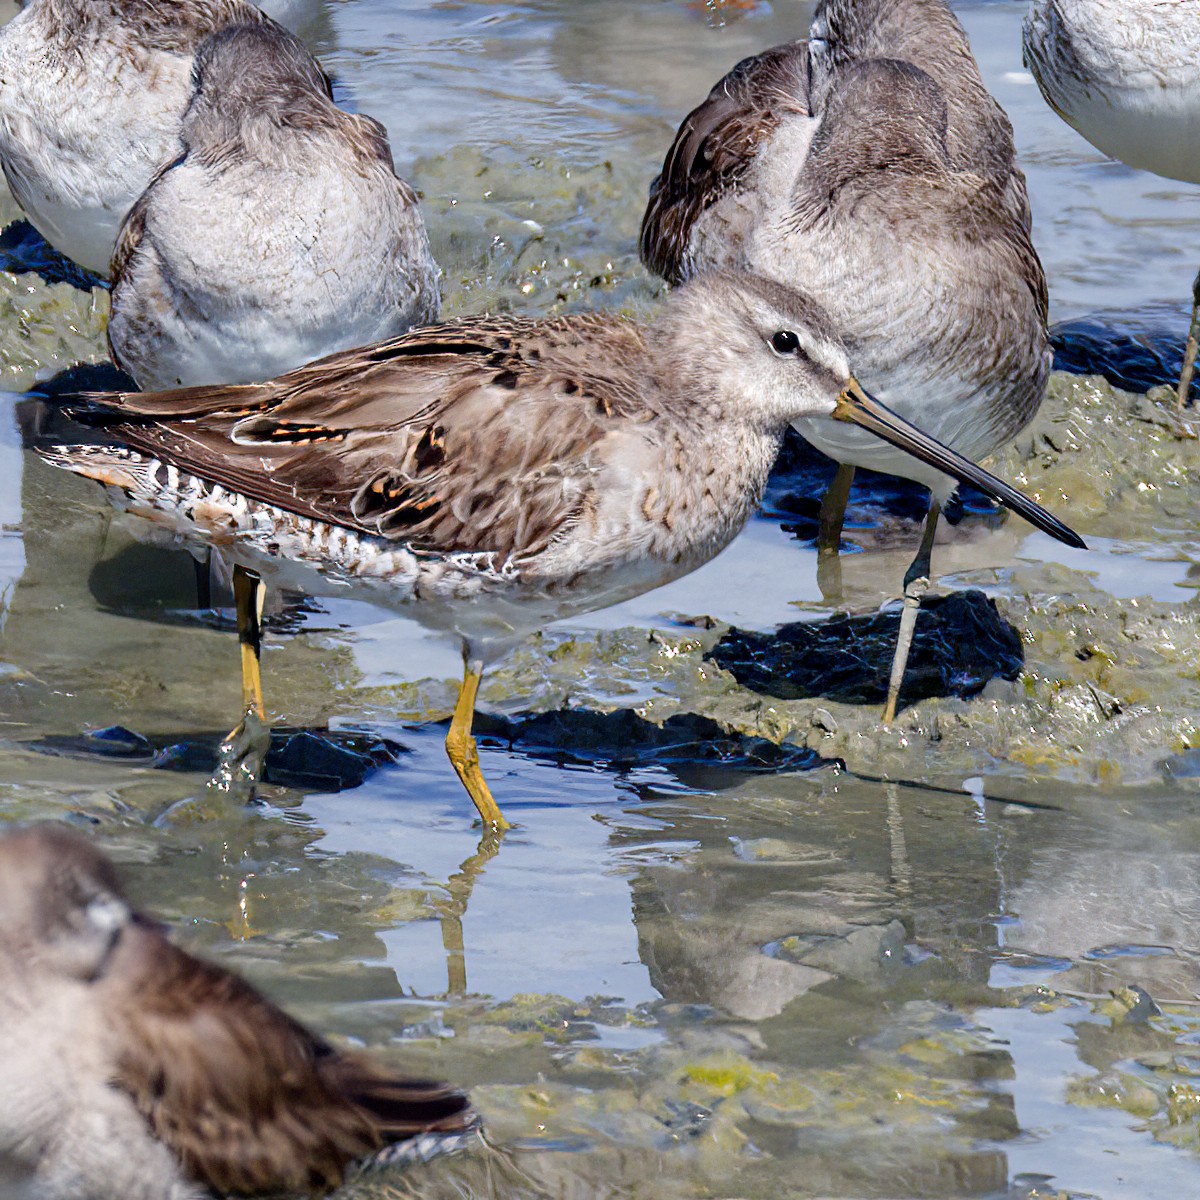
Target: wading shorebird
{"x": 497, "y": 474}
{"x": 132, "y": 1069}
{"x": 91, "y": 96}
{"x": 870, "y": 167}
{"x": 1124, "y": 74}
{"x": 280, "y": 235}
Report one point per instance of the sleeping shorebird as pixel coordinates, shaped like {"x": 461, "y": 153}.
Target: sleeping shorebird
{"x": 1123, "y": 73}
{"x": 870, "y": 167}
{"x": 91, "y": 96}
{"x": 497, "y": 474}
{"x": 281, "y": 234}
{"x": 131, "y": 1069}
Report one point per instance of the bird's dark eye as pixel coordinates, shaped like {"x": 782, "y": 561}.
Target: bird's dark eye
{"x": 785, "y": 342}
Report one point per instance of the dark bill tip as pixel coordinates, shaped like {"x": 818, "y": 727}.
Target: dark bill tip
{"x": 858, "y": 407}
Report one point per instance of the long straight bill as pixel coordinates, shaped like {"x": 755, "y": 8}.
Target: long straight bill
{"x": 860, "y": 408}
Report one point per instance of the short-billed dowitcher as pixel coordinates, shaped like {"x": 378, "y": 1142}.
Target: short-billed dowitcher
{"x": 1124, "y": 74}
{"x": 497, "y": 474}
{"x": 133, "y": 1069}
{"x": 281, "y": 234}
{"x": 91, "y": 96}
{"x": 870, "y": 167}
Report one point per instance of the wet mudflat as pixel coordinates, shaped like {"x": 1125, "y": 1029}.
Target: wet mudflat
{"x": 741, "y": 944}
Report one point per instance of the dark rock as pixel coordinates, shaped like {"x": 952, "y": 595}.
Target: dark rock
{"x": 961, "y": 643}
{"x": 802, "y": 474}
{"x": 321, "y": 760}
{"x": 623, "y": 740}
{"x": 1132, "y": 351}
{"x": 328, "y": 760}
{"x": 113, "y": 742}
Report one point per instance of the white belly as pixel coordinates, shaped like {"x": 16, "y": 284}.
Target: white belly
{"x": 1126, "y": 75}
{"x": 1155, "y": 129}
{"x": 259, "y": 346}
{"x": 85, "y": 234}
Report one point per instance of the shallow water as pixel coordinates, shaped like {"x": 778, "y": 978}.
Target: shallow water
{"x": 683, "y": 976}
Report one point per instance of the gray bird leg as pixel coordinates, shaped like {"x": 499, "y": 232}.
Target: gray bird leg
{"x": 1189, "y": 355}
{"x": 916, "y": 584}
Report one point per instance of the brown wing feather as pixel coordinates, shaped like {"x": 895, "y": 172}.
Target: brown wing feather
{"x": 249, "y": 1100}
{"x": 133, "y": 229}
{"x": 715, "y": 147}
{"x": 472, "y": 437}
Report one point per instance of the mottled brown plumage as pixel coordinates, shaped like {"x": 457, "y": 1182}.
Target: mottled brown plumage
{"x": 461, "y": 437}
{"x": 716, "y": 146}
{"x": 500, "y": 473}
{"x": 870, "y": 166}
{"x": 244, "y": 1098}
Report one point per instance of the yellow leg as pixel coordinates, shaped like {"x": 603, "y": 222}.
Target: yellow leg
{"x": 244, "y": 751}
{"x": 1189, "y": 356}
{"x": 464, "y": 754}
{"x": 829, "y": 532}
{"x": 916, "y": 584}
{"x": 248, "y": 594}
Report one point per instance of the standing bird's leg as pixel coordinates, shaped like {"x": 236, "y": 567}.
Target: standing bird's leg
{"x": 829, "y": 532}
{"x": 916, "y": 584}
{"x": 243, "y": 752}
{"x": 461, "y": 748}
{"x": 1189, "y": 355}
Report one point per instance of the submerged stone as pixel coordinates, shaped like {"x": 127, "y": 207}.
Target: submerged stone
{"x": 114, "y": 741}
{"x": 961, "y": 644}
{"x": 623, "y": 739}
{"x": 326, "y": 760}
{"x": 1132, "y": 352}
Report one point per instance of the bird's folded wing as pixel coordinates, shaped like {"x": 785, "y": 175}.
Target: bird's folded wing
{"x": 248, "y": 1099}
{"x": 715, "y": 146}
{"x": 472, "y": 438}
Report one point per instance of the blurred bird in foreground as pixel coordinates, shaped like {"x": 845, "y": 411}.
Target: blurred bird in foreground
{"x": 129, "y": 1068}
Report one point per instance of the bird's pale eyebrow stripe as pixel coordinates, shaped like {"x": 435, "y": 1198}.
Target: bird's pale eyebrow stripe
{"x": 821, "y": 352}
